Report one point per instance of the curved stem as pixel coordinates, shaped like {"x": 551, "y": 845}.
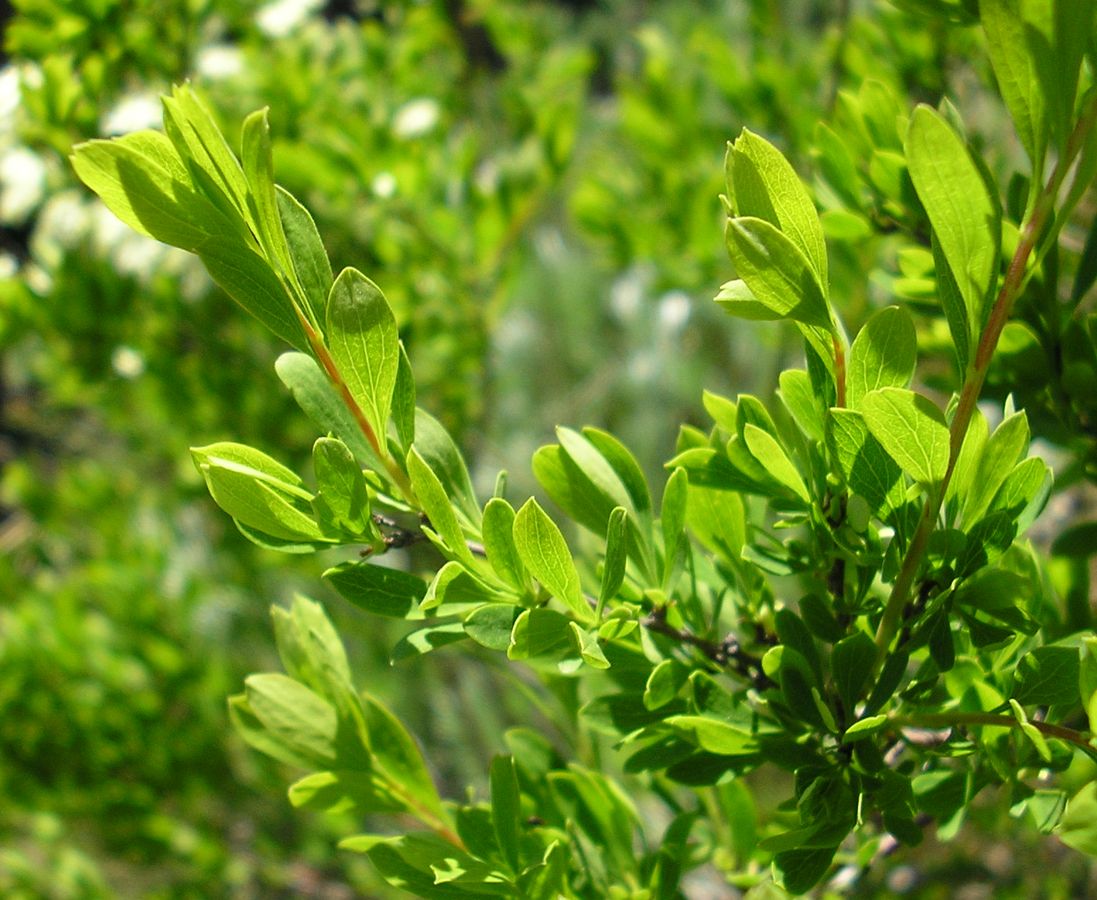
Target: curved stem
{"x": 1012, "y": 285}
{"x": 948, "y": 720}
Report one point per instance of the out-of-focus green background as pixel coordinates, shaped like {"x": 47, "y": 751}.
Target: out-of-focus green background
{"x": 535, "y": 186}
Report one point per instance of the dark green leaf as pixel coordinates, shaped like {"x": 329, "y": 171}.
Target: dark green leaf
{"x": 378, "y": 589}
{"x": 1047, "y": 676}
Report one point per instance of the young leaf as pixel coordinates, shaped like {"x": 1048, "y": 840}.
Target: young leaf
{"x": 342, "y": 487}
{"x": 624, "y": 464}
{"x": 294, "y": 716}
{"x": 546, "y": 555}
{"x": 673, "y": 519}
{"x": 436, "y": 504}
{"x": 262, "y": 199}
{"x": 883, "y": 354}
{"x": 307, "y": 253}
{"x": 776, "y": 271}
{"x": 964, "y": 216}
{"x": 868, "y": 469}
{"x": 440, "y": 453}
{"x": 799, "y": 399}
{"x": 765, "y": 186}
{"x": 505, "y": 809}
{"x": 765, "y": 448}
{"x": 364, "y": 343}
{"x": 613, "y": 568}
{"x": 403, "y": 403}
{"x": 911, "y": 429}
{"x": 498, "y": 534}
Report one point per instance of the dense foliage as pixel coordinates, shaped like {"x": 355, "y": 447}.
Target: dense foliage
{"x": 834, "y": 585}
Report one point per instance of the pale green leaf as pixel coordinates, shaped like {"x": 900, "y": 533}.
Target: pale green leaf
{"x": 364, "y": 343}
{"x": 911, "y": 429}
{"x": 765, "y": 448}
{"x": 884, "y": 354}
{"x": 545, "y": 553}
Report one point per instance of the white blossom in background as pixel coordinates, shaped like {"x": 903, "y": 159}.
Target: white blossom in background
{"x": 673, "y": 312}
{"x": 280, "y": 18}
{"x": 132, "y": 113}
{"x": 10, "y": 97}
{"x": 383, "y": 185}
{"x": 416, "y": 118}
{"x": 22, "y": 183}
{"x": 127, "y": 362}
{"x": 9, "y": 266}
{"x": 218, "y": 61}
{"x": 627, "y": 293}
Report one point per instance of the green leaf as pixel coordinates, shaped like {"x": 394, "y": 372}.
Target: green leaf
{"x": 868, "y": 469}
{"x": 262, "y": 199}
{"x": 672, "y": 513}
{"x": 1015, "y": 71}
{"x": 440, "y": 453}
{"x": 884, "y": 354}
{"x": 378, "y": 589}
{"x": 455, "y": 590}
{"x": 864, "y": 728}
{"x": 613, "y": 568}
{"x": 596, "y": 468}
{"x": 498, "y": 534}
{"x": 198, "y": 140}
{"x": 341, "y": 485}
{"x": 396, "y": 755}
{"x": 911, "y": 429}
{"x": 364, "y": 344}
{"x": 953, "y": 306}
{"x": 1047, "y": 676}
{"x": 714, "y": 735}
{"x": 491, "y": 626}
{"x": 294, "y": 716}
{"x": 765, "y": 448}
{"x": 545, "y": 552}
{"x": 776, "y": 271}
{"x": 964, "y": 216}
{"x": 1078, "y": 827}
{"x": 141, "y": 179}
{"x": 403, "y": 403}
{"x": 851, "y": 664}
{"x": 1001, "y": 452}
{"x": 256, "y": 735}
{"x": 248, "y": 279}
{"x": 588, "y": 647}
{"x": 306, "y": 251}
{"x": 436, "y": 504}
{"x": 318, "y": 400}
{"x": 664, "y": 683}
{"x": 256, "y": 497}
{"x": 718, "y": 519}
{"x": 624, "y": 464}
{"x": 799, "y": 399}
{"x": 801, "y": 869}
{"x": 344, "y": 791}
{"x": 765, "y": 186}
{"x": 736, "y": 299}
{"x": 542, "y": 635}
{"x": 426, "y": 639}
{"x": 506, "y": 807}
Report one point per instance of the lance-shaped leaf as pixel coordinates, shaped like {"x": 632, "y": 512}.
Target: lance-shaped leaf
{"x": 294, "y": 716}
{"x": 436, "y": 504}
{"x": 379, "y": 589}
{"x": 869, "y": 471}
{"x": 262, "y": 198}
{"x": 777, "y": 272}
{"x": 318, "y": 400}
{"x": 546, "y": 555}
{"x": 613, "y": 568}
{"x": 965, "y": 217}
{"x": 1015, "y": 71}
{"x": 249, "y": 280}
{"x": 438, "y": 450}
{"x": 884, "y": 354}
{"x": 911, "y": 429}
{"x": 764, "y": 185}
{"x": 498, "y": 533}
{"x": 770, "y": 454}
{"x": 365, "y": 345}
{"x": 306, "y": 250}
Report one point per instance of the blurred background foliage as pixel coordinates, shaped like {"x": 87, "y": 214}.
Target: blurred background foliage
{"x": 535, "y": 186}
